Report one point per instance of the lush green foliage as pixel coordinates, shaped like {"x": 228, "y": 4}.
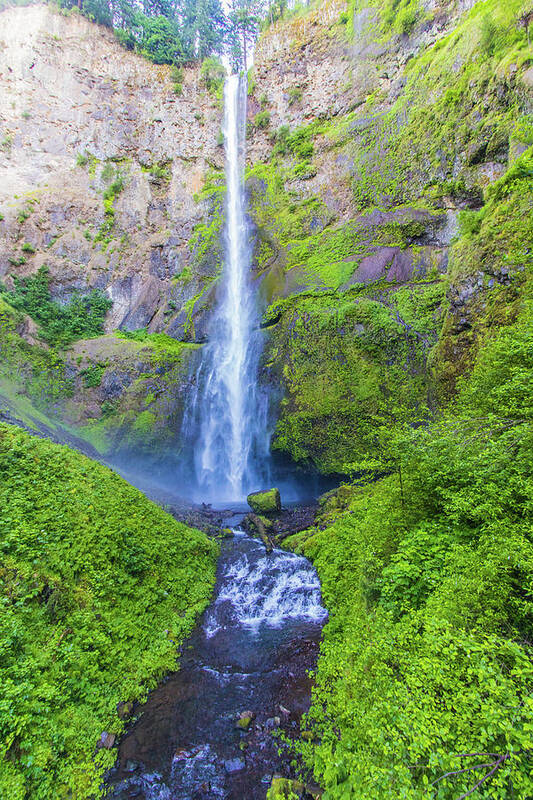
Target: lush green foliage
{"x": 97, "y": 586}
{"x": 428, "y": 578}
{"x": 83, "y": 316}
{"x": 164, "y": 32}
{"x": 183, "y": 31}
{"x": 34, "y": 373}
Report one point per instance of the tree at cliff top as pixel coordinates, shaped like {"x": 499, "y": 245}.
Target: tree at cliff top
{"x": 164, "y": 32}
{"x": 97, "y": 588}
{"x": 185, "y": 30}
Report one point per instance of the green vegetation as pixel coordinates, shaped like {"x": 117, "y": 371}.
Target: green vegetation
{"x": 83, "y": 316}
{"x": 114, "y": 179}
{"x": 34, "y": 372}
{"x": 213, "y": 75}
{"x": 412, "y": 148}
{"x": 353, "y": 371}
{"x": 262, "y": 119}
{"x": 176, "y": 76}
{"x": 93, "y": 375}
{"x": 98, "y": 586}
{"x": 427, "y": 576}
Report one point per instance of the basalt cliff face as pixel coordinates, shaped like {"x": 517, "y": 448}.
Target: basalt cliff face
{"x": 390, "y": 236}
{"x": 78, "y": 111}
{"x": 385, "y": 245}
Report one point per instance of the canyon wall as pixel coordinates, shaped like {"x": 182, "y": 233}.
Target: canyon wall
{"x": 379, "y": 142}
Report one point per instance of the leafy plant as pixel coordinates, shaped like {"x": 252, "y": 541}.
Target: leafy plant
{"x": 262, "y": 119}
{"x": 213, "y": 75}
{"x": 83, "y": 316}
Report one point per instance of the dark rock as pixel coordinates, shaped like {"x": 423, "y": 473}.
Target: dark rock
{"x": 234, "y": 765}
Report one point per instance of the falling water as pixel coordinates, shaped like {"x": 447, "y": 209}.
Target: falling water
{"x": 228, "y": 413}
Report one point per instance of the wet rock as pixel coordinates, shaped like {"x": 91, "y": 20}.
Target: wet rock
{"x": 245, "y": 720}
{"x": 265, "y": 502}
{"x": 106, "y": 741}
{"x": 272, "y": 723}
{"x": 281, "y": 788}
{"x": 233, "y": 765}
{"x": 255, "y": 525}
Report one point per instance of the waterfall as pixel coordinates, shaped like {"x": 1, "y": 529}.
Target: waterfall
{"x": 228, "y": 414}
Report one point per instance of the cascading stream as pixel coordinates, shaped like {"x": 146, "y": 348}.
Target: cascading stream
{"x": 226, "y": 420}
{"x": 252, "y": 651}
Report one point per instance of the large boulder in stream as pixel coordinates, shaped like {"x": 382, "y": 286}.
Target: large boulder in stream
{"x": 265, "y": 502}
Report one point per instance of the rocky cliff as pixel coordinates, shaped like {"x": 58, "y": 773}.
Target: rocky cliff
{"x": 104, "y": 160}
{"x": 378, "y": 134}
{"x": 102, "y": 164}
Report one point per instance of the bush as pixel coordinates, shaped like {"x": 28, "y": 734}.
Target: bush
{"x": 262, "y": 119}
{"x": 93, "y": 375}
{"x": 97, "y": 588}
{"x": 295, "y": 95}
{"x": 59, "y": 325}
{"x": 176, "y": 76}
{"x": 427, "y": 653}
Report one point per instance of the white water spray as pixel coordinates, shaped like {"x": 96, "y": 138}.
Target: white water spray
{"x": 227, "y": 413}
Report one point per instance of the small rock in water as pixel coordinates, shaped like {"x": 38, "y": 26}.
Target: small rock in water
{"x": 234, "y": 765}
{"x": 265, "y": 502}
{"x": 181, "y": 753}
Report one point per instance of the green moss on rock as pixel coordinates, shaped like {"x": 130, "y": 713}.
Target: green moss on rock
{"x": 266, "y": 502}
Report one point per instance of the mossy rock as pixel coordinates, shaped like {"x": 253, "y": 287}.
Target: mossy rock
{"x": 285, "y": 789}
{"x": 266, "y": 502}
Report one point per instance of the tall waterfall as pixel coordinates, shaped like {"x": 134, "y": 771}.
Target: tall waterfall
{"x": 227, "y": 412}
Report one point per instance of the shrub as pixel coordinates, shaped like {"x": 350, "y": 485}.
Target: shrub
{"x": 295, "y": 95}
{"x": 97, "y": 588}
{"x": 28, "y": 248}
{"x": 23, "y": 215}
{"x": 262, "y": 119}
{"x": 176, "y": 76}
{"x": 83, "y": 316}
{"x": 93, "y": 375}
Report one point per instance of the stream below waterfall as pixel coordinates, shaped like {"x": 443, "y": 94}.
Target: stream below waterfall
{"x": 250, "y": 652}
